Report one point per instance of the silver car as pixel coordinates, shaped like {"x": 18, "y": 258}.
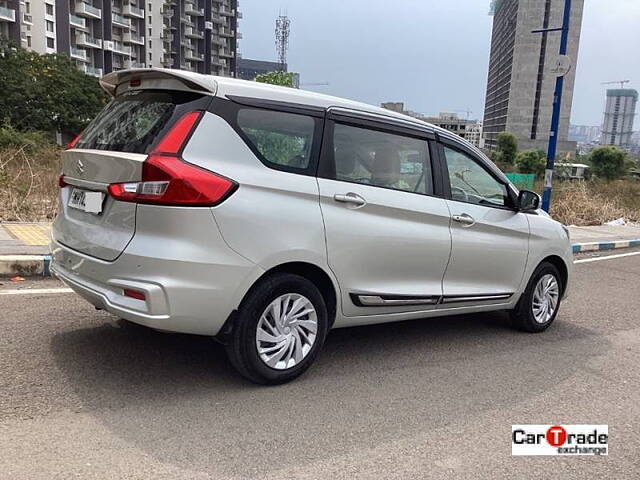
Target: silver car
{"x": 265, "y": 216}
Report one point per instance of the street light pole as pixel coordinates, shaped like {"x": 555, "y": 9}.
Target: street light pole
{"x": 557, "y": 102}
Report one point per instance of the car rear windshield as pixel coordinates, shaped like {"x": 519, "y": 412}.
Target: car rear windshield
{"x": 133, "y": 121}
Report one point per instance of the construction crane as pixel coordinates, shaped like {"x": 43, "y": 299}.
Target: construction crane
{"x": 621, "y": 82}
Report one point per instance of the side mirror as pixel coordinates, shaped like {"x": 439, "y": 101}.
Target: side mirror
{"x": 528, "y": 201}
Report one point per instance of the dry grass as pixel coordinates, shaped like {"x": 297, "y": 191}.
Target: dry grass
{"x": 29, "y": 184}
{"x": 29, "y": 189}
{"x": 594, "y": 203}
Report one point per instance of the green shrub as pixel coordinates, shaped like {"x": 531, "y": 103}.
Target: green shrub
{"x": 507, "y": 147}
{"x": 46, "y": 92}
{"x": 284, "y": 79}
{"x": 30, "y": 141}
{"x": 531, "y": 161}
{"x": 608, "y": 162}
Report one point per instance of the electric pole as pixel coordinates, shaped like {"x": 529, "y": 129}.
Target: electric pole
{"x": 557, "y": 102}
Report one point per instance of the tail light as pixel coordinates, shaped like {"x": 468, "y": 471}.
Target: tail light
{"x": 61, "y": 181}
{"x": 73, "y": 142}
{"x": 168, "y": 180}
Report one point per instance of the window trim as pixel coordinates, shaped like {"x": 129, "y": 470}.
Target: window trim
{"x": 326, "y": 167}
{"x": 442, "y": 143}
{"x": 375, "y": 122}
{"x": 276, "y": 105}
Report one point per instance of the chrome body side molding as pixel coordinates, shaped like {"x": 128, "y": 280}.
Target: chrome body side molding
{"x": 383, "y": 300}
{"x": 475, "y": 298}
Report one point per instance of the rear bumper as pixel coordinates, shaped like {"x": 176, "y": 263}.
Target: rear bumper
{"x": 109, "y": 299}
{"x": 191, "y": 281}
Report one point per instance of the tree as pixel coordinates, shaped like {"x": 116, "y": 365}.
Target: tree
{"x": 608, "y": 162}
{"x": 507, "y": 147}
{"x": 531, "y": 161}
{"x": 46, "y": 92}
{"x": 284, "y": 79}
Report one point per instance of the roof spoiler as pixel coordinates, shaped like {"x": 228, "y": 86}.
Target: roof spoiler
{"x": 193, "y": 81}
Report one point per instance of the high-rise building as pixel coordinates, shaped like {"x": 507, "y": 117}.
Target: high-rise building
{"x": 10, "y": 14}
{"x": 521, "y": 80}
{"x": 106, "y": 35}
{"x": 619, "y": 111}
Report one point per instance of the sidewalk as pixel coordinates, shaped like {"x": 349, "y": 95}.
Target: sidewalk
{"x": 604, "y": 237}
{"x": 24, "y": 247}
{"x": 24, "y": 238}
{"x": 604, "y": 233}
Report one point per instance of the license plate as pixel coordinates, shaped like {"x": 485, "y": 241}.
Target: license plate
{"x": 90, "y": 202}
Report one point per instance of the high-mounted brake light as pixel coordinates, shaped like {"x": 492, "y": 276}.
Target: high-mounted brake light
{"x": 168, "y": 180}
{"x": 73, "y": 142}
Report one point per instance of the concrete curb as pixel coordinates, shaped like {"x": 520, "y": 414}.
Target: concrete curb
{"x": 38, "y": 265}
{"x": 594, "y": 246}
{"x": 25, "y": 265}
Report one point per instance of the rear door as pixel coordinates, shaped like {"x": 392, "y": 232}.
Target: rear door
{"x": 490, "y": 239}
{"x": 113, "y": 149}
{"x": 387, "y": 235}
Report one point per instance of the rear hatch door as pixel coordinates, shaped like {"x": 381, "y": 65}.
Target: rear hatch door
{"x": 113, "y": 149}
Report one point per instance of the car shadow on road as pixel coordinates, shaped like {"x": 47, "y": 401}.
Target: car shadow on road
{"x": 170, "y": 394}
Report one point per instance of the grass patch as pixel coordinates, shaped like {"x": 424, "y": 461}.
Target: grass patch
{"x": 595, "y": 202}
{"x": 29, "y": 184}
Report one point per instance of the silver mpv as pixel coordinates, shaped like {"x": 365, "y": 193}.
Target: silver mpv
{"x": 265, "y": 216}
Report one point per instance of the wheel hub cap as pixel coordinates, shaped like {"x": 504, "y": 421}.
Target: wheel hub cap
{"x": 286, "y": 331}
{"x": 545, "y": 298}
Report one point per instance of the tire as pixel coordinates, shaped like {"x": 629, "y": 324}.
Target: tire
{"x": 523, "y": 316}
{"x": 243, "y": 343}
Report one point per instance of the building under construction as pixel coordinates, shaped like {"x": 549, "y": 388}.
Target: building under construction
{"x": 619, "y": 111}
{"x": 521, "y": 79}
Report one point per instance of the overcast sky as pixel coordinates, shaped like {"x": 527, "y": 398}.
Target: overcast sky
{"x": 432, "y": 55}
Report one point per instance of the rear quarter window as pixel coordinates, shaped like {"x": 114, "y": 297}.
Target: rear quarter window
{"x": 133, "y": 121}
{"x": 284, "y": 140}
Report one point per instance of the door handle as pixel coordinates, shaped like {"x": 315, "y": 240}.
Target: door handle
{"x": 465, "y": 219}
{"x": 351, "y": 198}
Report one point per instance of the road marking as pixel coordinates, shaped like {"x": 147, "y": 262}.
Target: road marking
{"x": 36, "y": 291}
{"x": 608, "y": 257}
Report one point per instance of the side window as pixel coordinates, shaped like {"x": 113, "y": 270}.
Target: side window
{"x": 381, "y": 159}
{"x": 471, "y": 183}
{"x": 283, "y": 139}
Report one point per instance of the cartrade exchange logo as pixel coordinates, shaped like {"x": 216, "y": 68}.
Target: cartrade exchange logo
{"x": 559, "y": 440}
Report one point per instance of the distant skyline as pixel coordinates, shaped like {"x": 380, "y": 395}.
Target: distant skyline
{"x": 431, "y": 55}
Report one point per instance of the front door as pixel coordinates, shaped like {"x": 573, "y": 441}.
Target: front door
{"x": 490, "y": 239}
{"x": 388, "y": 239}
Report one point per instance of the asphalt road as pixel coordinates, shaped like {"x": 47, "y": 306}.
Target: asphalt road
{"x": 83, "y": 395}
